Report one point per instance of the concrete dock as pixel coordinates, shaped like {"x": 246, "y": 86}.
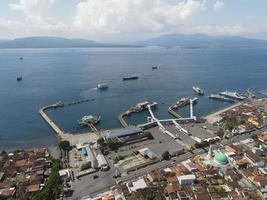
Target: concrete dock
{"x": 61, "y": 135}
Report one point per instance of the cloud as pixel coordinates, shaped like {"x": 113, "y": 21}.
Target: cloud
{"x": 33, "y": 7}
{"x": 133, "y": 16}
{"x": 218, "y": 5}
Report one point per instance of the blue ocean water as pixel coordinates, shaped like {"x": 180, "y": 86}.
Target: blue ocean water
{"x": 50, "y": 75}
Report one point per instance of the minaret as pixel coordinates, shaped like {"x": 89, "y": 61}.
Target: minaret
{"x": 210, "y": 152}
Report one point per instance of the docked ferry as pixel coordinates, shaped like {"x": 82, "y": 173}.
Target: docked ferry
{"x": 232, "y": 95}
{"x": 220, "y": 98}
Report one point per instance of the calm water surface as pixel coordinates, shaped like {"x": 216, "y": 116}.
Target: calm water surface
{"x": 50, "y": 75}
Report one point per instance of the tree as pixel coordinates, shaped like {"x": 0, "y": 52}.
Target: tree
{"x": 65, "y": 145}
{"x": 166, "y": 155}
{"x": 149, "y": 198}
{"x": 86, "y": 166}
{"x": 113, "y": 145}
{"x": 101, "y": 142}
{"x": 52, "y": 185}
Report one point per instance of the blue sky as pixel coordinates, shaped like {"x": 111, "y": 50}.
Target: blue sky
{"x": 124, "y": 20}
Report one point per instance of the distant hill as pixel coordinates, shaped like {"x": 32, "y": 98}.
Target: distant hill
{"x": 201, "y": 40}
{"x": 181, "y": 40}
{"x": 54, "y": 42}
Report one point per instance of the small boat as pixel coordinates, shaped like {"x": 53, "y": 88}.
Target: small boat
{"x": 21, "y": 58}
{"x": 155, "y": 67}
{"x": 198, "y": 90}
{"x": 133, "y": 77}
{"x": 102, "y": 86}
{"x": 220, "y": 98}
{"x": 19, "y": 78}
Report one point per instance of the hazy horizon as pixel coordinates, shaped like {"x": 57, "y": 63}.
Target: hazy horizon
{"x": 131, "y": 20}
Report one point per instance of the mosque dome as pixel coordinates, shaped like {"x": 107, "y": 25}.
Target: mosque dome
{"x": 220, "y": 158}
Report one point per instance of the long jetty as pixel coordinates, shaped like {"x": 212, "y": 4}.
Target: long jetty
{"x": 59, "y": 133}
{"x": 122, "y": 121}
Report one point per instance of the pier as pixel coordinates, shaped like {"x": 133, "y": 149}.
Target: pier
{"x": 140, "y": 107}
{"x": 61, "y": 135}
{"x": 191, "y": 102}
{"x": 122, "y": 121}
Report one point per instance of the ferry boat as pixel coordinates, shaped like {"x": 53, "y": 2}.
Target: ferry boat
{"x": 183, "y": 101}
{"x": 220, "y": 97}
{"x": 102, "y": 86}
{"x": 198, "y": 90}
{"x": 141, "y": 106}
{"x": 232, "y": 95}
{"x": 89, "y": 119}
{"x": 133, "y": 77}
{"x": 19, "y": 78}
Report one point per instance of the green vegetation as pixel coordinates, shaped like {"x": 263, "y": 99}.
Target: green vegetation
{"x": 52, "y": 185}
{"x": 151, "y": 197}
{"x": 2, "y": 153}
{"x": 166, "y": 155}
{"x": 65, "y": 145}
{"x": 118, "y": 158}
{"x": 231, "y": 123}
{"x": 135, "y": 152}
{"x": 202, "y": 144}
{"x": 86, "y": 166}
{"x": 101, "y": 142}
{"x": 254, "y": 137}
{"x": 113, "y": 145}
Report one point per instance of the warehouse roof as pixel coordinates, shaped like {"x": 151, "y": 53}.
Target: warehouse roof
{"x": 122, "y": 132}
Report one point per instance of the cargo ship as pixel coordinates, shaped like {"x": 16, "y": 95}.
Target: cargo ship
{"x": 220, "y": 98}
{"x": 232, "y": 95}
{"x": 133, "y": 77}
{"x": 198, "y": 90}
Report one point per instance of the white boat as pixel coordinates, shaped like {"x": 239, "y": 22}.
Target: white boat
{"x": 198, "y": 90}
{"x": 102, "y": 86}
{"x": 233, "y": 95}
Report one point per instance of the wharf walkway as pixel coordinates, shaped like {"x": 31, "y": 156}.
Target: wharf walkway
{"x": 122, "y": 121}
{"x": 60, "y": 134}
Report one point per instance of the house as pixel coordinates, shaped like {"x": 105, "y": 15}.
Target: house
{"x": 254, "y": 159}
{"x": 187, "y": 179}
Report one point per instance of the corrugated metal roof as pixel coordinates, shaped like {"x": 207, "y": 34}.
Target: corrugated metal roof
{"x": 122, "y": 132}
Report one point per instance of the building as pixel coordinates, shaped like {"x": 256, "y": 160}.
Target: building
{"x": 254, "y": 159}
{"x": 121, "y": 133}
{"x": 102, "y": 162}
{"x": 220, "y": 158}
{"x": 186, "y": 179}
{"x": 65, "y": 175}
{"x": 146, "y": 152}
{"x": 89, "y": 154}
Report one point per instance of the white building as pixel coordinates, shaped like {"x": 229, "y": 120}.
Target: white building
{"x": 187, "y": 179}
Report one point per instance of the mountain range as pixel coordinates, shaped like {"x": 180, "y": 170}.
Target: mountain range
{"x": 172, "y": 40}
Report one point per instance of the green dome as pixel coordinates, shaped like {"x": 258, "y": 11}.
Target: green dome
{"x": 220, "y": 158}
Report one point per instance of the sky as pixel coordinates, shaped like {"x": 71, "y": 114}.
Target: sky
{"x": 131, "y": 20}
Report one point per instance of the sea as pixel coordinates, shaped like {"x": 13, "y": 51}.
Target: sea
{"x": 72, "y": 74}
